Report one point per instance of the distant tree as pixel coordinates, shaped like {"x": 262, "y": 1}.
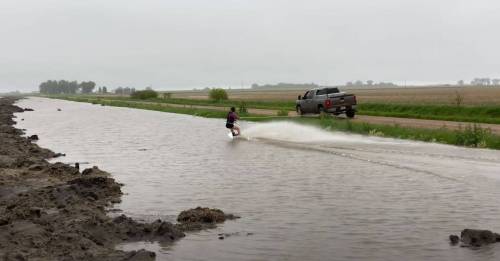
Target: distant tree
{"x": 87, "y": 87}
{"x": 99, "y": 90}
{"x": 481, "y": 81}
{"x": 283, "y": 85}
{"x": 218, "y": 94}
{"x": 495, "y": 81}
{"x": 348, "y": 84}
{"x": 358, "y": 83}
{"x": 119, "y": 91}
{"x": 74, "y": 87}
{"x": 127, "y": 91}
{"x": 386, "y": 84}
{"x": 461, "y": 83}
{"x": 104, "y": 90}
{"x": 458, "y": 99}
{"x": 369, "y": 82}
{"x": 62, "y": 86}
{"x": 143, "y": 95}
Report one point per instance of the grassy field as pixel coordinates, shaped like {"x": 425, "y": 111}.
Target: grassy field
{"x": 467, "y": 104}
{"x": 471, "y": 136}
{"x": 472, "y": 96}
{"x": 479, "y": 114}
{"x": 447, "y": 112}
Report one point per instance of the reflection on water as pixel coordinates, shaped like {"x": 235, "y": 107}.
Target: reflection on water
{"x": 303, "y": 193}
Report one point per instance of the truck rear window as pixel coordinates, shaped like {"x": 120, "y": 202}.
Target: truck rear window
{"x": 327, "y": 91}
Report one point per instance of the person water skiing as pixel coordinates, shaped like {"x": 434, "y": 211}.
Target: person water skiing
{"x": 231, "y": 119}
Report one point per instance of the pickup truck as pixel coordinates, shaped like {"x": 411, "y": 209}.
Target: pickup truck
{"x": 327, "y": 100}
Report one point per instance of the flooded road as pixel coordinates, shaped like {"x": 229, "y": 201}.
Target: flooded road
{"x": 303, "y": 193}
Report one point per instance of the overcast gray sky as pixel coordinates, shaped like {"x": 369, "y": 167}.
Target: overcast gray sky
{"x": 174, "y": 44}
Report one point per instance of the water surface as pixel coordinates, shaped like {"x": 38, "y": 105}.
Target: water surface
{"x": 303, "y": 193}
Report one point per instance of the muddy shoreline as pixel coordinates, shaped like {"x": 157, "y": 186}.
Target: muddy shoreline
{"x": 55, "y": 212}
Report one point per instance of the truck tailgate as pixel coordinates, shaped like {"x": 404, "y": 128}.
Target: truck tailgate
{"x": 344, "y": 100}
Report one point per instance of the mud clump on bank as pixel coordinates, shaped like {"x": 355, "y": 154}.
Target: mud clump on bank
{"x": 475, "y": 238}
{"x": 202, "y": 218}
{"x": 54, "y": 212}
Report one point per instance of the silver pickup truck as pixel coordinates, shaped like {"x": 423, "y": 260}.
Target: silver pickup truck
{"x": 328, "y": 100}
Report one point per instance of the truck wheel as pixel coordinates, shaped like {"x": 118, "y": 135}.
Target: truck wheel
{"x": 350, "y": 113}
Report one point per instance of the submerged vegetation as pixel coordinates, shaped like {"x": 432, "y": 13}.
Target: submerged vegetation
{"x": 471, "y": 135}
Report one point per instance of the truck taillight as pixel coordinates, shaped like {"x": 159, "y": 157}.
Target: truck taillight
{"x": 328, "y": 103}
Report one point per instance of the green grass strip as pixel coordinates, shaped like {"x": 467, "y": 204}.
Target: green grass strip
{"x": 470, "y": 136}
{"x": 478, "y": 114}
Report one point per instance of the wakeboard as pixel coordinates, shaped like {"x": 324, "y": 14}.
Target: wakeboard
{"x": 230, "y": 135}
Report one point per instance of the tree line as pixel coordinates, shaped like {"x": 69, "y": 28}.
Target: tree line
{"x": 481, "y": 82}
{"x": 73, "y": 87}
{"x": 124, "y": 91}
{"x": 283, "y": 85}
{"x": 369, "y": 83}
{"x": 66, "y": 87}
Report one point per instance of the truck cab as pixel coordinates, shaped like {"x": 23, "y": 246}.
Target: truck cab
{"x": 327, "y": 100}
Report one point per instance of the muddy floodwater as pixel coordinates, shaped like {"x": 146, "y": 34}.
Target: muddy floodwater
{"x": 303, "y": 193}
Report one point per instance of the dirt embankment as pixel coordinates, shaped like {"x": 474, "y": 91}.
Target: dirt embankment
{"x": 55, "y": 212}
